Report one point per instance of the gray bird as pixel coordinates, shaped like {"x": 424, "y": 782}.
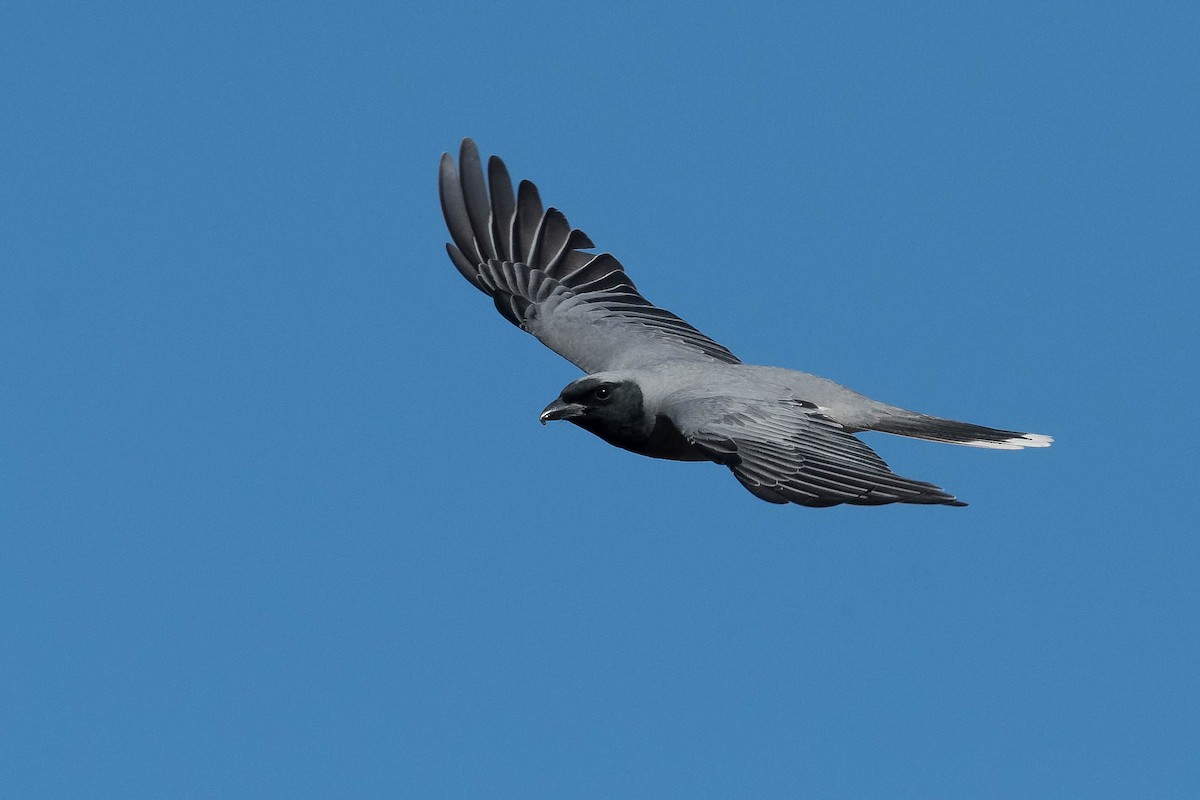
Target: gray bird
{"x": 659, "y": 387}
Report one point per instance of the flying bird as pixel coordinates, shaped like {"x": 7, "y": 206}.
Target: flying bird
{"x": 657, "y": 386}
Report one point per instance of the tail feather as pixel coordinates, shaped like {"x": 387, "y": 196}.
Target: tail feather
{"x": 922, "y": 426}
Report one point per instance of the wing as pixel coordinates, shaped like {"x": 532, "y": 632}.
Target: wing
{"x": 532, "y": 264}
{"x": 785, "y": 451}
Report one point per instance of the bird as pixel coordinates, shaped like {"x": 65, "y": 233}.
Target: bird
{"x": 657, "y": 386}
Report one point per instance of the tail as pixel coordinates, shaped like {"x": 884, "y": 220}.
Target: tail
{"x": 936, "y": 429}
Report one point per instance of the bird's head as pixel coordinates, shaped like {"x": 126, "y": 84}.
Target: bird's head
{"x": 599, "y": 402}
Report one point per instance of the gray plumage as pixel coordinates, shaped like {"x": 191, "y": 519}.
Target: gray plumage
{"x": 659, "y": 387}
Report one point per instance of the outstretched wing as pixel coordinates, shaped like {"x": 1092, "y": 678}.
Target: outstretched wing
{"x": 532, "y": 264}
{"x": 786, "y": 451}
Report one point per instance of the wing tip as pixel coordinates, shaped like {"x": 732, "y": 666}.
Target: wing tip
{"x": 468, "y": 149}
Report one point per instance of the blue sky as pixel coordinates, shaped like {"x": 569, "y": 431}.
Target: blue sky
{"x": 278, "y": 518}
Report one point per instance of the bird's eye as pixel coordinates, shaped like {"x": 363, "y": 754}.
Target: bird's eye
{"x": 602, "y": 392}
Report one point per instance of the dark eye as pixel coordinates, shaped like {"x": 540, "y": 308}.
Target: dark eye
{"x": 602, "y": 392}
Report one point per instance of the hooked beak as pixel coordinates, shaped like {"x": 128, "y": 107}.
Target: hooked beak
{"x": 561, "y": 409}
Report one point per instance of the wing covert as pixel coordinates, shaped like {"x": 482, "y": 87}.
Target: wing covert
{"x": 783, "y": 451}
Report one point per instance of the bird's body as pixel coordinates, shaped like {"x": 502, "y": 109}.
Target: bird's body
{"x": 666, "y": 387}
{"x": 658, "y": 387}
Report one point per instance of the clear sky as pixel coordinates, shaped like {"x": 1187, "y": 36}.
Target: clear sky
{"x": 278, "y": 518}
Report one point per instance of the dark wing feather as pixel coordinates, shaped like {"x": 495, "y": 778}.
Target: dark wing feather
{"x": 534, "y": 266}
{"x": 476, "y": 199}
{"x": 504, "y": 207}
{"x": 784, "y": 452}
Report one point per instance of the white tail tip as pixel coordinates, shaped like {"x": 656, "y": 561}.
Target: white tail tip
{"x": 1015, "y": 443}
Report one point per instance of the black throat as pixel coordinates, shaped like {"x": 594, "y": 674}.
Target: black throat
{"x": 622, "y": 422}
